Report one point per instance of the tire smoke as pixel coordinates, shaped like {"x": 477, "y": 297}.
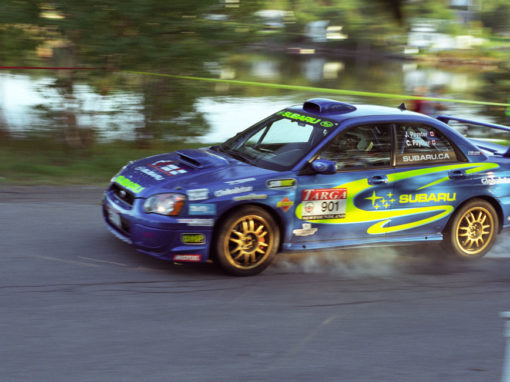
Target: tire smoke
{"x": 502, "y": 247}
{"x": 350, "y": 263}
{"x": 381, "y": 261}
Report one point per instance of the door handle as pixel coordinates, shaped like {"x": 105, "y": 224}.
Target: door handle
{"x": 457, "y": 174}
{"x": 378, "y": 179}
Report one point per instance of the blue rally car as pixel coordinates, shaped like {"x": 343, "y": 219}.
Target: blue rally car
{"x": 321, "y": 175}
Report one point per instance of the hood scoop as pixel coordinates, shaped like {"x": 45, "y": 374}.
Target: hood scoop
{"x": 327, "y": 106}
{"x": 200, "y": 158}
{"x": 188, "y": 160}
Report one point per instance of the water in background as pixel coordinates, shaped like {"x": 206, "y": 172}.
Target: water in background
{"x": 119, "y": 106}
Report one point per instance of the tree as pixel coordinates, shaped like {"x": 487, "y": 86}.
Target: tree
{"x": 140, "y": 35}
{"x": 495, "y": 15}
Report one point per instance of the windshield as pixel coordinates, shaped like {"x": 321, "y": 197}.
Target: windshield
{"x": 279, "y": 141}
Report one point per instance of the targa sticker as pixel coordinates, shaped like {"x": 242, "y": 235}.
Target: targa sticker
{"x": 324, "y": 203}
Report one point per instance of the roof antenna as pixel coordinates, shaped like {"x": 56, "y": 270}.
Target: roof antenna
{"x": 402, "y": 106}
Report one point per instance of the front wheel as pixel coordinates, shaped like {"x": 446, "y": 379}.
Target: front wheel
{"x": 472, "y": 231}
{"x": 247, "y": 241}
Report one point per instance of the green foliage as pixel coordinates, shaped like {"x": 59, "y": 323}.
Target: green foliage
{"x": 147, "y": 35}
{"x": 138, "y": 34}
{"x": 366, "y": 22}
{"x": 18, "y": 45}
{"x": 21, "y": 12}
{"x": 428, "y": 9}
{"x": 495, "y": 15}
{"x": 134, "y": 34}
{"x": 54, "y": 163}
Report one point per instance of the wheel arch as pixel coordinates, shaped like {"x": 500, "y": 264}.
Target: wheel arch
{"x": 493, "y": 201}
{"x": 272, "y": 212}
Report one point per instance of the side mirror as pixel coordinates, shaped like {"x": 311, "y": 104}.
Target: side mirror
{"x": 323, "y": 166}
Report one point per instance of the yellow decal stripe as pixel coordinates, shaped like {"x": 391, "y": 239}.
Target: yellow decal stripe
{"x": 354, "y": 214}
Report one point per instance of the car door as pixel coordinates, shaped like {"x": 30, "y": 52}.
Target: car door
{"x": 430, "y": 173}
{"x": 339, "y": 208}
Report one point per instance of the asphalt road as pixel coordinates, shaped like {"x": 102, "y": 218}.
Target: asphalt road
{"x": 76, "y": 304}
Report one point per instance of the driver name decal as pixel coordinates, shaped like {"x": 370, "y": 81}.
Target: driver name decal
{"x": 324, "y": 203}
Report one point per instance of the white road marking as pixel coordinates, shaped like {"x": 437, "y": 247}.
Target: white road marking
{"x": 103, "y": 261}
{"x": 67, "y": 261}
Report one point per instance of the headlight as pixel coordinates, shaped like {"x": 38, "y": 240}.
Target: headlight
{"x": 164, "y": 204}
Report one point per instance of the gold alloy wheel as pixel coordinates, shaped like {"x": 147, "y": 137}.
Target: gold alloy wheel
{"x": 249, "y": 242}
{"x": 475, "y": 230}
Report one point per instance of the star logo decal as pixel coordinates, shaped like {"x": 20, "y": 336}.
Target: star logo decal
{"x": 381, "y": 201}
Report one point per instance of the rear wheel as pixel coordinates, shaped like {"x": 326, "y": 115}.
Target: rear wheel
{"x": 472, "y": 231}
{"x": 247, "y": 242}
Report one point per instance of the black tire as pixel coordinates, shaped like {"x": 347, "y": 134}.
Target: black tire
{"x": 247, "y": 241}
{"x": 471, "y": 232}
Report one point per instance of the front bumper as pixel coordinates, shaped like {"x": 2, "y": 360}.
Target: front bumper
{"x": 164, "y": 237}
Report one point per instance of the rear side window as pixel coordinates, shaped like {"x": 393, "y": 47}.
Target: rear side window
{"x": 418, "y": 144}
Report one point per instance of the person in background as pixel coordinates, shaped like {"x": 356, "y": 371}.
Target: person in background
{"x": 436, "y": 107}
{"x": 429, "y": 107}
{"x": 419, "y": 105}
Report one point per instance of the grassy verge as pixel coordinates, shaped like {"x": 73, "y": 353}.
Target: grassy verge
{"x": 39, "y": 161}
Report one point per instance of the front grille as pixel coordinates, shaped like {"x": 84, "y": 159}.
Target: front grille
{"x": 123, "y": 226}
{"x": 126, "y": 226}
{"x": 123, "y": 194}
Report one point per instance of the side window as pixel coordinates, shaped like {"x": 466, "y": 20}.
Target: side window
{"x": 417, "y": 144}
{"x": 360, "y": 147}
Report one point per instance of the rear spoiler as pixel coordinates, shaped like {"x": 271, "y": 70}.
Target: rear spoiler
{"x": 482, "y": 144}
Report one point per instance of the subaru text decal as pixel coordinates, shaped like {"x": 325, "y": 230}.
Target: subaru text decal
{"x": 130, "y": 185}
